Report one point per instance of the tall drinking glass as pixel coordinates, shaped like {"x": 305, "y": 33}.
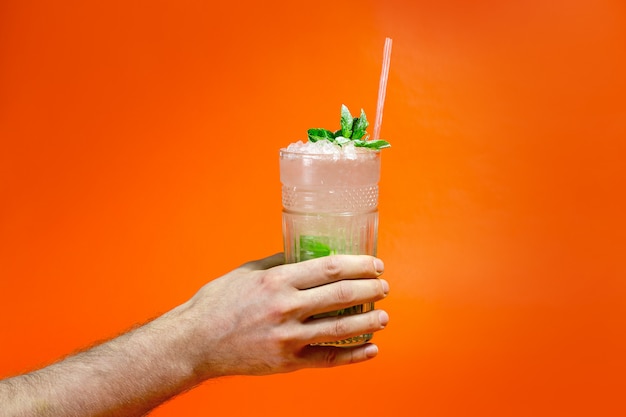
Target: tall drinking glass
{"x": 330, "y": 206}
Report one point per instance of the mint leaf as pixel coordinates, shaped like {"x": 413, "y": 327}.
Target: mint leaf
{"x": 360, "y": 126}
{"x": 320, "y": 134}
{"x": 311, "y": 248}
{"x": 346, "y": 122}
{"x": 373, "y": 144}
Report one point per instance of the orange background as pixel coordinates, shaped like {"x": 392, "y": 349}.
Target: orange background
{"x": 138, "y": 160}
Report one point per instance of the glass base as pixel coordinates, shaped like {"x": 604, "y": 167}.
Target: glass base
{"x": 352, "y": 341}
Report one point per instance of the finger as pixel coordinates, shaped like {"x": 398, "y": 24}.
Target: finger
{"x": 331, "y": 329}
{"x": 320, "y": 271}
{"x": 265, "y": 263}
{"x": 342, "y": 294}
{"x": 330, "y": 356}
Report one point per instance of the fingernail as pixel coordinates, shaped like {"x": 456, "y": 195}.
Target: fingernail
{"x": 385, "y": 285}
{"x": 371, "y": 351}
{"x": 379, "y": 266}
{"x": 383, "y": 317}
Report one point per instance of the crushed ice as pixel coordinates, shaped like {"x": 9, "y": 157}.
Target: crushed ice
{"x": 324, "y": 147}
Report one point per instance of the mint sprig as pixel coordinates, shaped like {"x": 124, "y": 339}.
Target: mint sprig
{"x": 353, "y": 129}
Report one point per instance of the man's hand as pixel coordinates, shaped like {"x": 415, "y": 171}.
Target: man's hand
{"x": 256, "y": 319}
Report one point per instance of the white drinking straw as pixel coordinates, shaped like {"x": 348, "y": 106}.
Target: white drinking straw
{"x": 382, "y": 88}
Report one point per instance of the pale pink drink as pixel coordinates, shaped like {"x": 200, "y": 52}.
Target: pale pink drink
{"x": 330, "y": 206}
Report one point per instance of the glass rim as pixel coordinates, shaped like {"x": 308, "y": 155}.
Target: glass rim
{"x": 360, "y": 152}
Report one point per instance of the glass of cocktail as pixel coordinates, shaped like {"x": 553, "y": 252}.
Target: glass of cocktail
{"x": 330, "y": 204}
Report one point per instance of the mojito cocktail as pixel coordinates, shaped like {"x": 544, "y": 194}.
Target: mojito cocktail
{"x": 330, "y": 198}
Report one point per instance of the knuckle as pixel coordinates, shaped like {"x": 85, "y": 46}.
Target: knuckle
{"x": 335, "y": 330}
{"x": 268, "y": 279}
{"x": 283, "y": 310}
{"x": 340, "y": 329}
{"x": 270, "y": 282}
{"x": 374, "y": 322}
{"x": 332, "y": 267}
{"x": 344, "y": 292}
{"x": 284, "y": 305}
{"x": 281, "y": 346}
{"x": 281, "y": 337}
{"x": 330, "y": 357}
{"x": 283, "y": 340}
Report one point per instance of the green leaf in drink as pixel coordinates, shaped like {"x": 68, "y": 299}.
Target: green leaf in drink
{"x": 311, "y": 248}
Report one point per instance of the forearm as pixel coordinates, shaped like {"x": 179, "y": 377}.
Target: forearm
{"x": 255, "y": 320}
{"x": 127, "y": 376}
